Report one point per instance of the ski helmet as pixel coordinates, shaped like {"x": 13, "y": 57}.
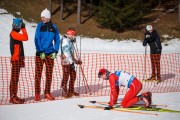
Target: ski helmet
{"x": 149, "y": 28}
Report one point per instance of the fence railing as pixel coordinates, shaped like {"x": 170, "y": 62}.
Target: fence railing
{"x": 87, "y": 82}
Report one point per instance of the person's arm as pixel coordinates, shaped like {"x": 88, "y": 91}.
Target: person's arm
{"x": 75, "y": 60}
{"x": 73, "y": 57}
{"x": 117, "y": 91}
{"x": 57, "y": 40}
{"x": 18, "y": 36}
{"x": 15, "y": 56}
{"x": 113, "y": 95}
{"x": 157, "y": 40}
{"x": 37, "y": 40}
{"x": 145, "y": 40}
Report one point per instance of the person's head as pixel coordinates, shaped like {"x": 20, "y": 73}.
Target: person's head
{"x": 17, "y": 22}
{"x": 45, "y": 15}
{"x": 103, "y": 73}
{"x": 71, "y": 33}
{"x": 149, "y": 28}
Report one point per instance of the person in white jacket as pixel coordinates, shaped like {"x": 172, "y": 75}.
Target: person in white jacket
{"x": 67, "y": 61}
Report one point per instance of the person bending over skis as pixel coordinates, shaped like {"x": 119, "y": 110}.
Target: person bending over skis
{"x": 122, "y": 78}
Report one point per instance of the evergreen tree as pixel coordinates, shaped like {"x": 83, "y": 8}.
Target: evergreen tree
{"x": 120, "y": 14}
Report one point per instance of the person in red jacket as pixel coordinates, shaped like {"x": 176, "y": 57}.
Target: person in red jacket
{"x": 122, "y": 78}
{"x": 17, "y": 57}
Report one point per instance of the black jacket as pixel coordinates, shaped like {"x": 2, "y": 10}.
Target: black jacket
{"x": 153, "y": 40}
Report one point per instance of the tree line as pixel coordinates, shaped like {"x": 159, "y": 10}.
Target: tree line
{"x": 117, "y": 15}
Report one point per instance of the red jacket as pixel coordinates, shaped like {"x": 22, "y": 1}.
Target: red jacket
{"x": 114, "y": 89}
{"x": 16, "y": 45}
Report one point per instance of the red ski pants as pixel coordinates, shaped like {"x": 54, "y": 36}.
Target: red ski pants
{"x": 130, "y": 97}
{"x": 38, "y": 74}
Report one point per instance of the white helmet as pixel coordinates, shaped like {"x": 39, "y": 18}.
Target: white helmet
{"x": 149, "y": 28}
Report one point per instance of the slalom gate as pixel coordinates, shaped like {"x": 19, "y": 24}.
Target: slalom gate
{"x": 87, "y": 82}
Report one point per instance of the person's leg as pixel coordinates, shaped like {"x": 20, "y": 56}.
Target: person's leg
{"x": 153, "y": 63}
{"x": 158, "y": 67}
{"x": 72, "y": 81}
{"x": 38, "y": 73}
{"x": 66, "y": 73}
{"x": 49, "y": 71}
{"x": 15, "y": 72}
{"x": 131, "y": 96}
{"x": 14, "y": 78}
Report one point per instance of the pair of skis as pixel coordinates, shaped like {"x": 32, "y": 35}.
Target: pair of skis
{"x": 137, "y": 108}
{"x": 118, "y": 104}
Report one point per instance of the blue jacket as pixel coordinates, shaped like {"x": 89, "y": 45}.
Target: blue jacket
{"x": 47, "y": 38}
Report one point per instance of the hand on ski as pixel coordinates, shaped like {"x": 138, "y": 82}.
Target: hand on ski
{"x": 108, "y": 108}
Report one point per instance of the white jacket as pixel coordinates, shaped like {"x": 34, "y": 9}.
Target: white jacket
{"x": 67, "y": 50}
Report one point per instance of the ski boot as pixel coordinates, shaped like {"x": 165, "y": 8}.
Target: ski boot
{"x": 16, "y": 100}
{"x": 151, "y": 78}
{"x": 73, "y": 94}
{"x": 147, "y": 98}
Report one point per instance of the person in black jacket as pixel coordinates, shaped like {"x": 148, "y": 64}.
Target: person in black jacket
{"x": 153, "y": 40}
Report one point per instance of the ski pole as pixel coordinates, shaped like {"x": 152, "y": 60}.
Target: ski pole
{"x": 84, "y": 78}
{"x": 79, "y": 58}
{"x": 144, "y": 76}
{"x": 79, "y": 66}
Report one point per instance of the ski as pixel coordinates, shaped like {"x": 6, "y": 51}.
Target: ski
{"x": 139, "y": 107}
{"x": 118, "y": 110}
{"x": 151, "y": 109}
{"x": 106, "y": 103}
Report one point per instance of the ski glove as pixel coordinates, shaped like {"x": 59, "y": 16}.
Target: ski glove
{"x": 72, "y": 67}
{"x": 22, "y": 64}
{"x": 42, "y": 55}
{"x": 73, "y": 40}
{"x": 78, "y": 62}
{"x": 108, "y": 108}
{"x": 23, "y": 25}
{"x": 53, "y": 55}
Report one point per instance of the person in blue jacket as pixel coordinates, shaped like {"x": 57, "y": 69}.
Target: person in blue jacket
{"x": 153, "y": 40}
{"x": 47, "y": 42}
